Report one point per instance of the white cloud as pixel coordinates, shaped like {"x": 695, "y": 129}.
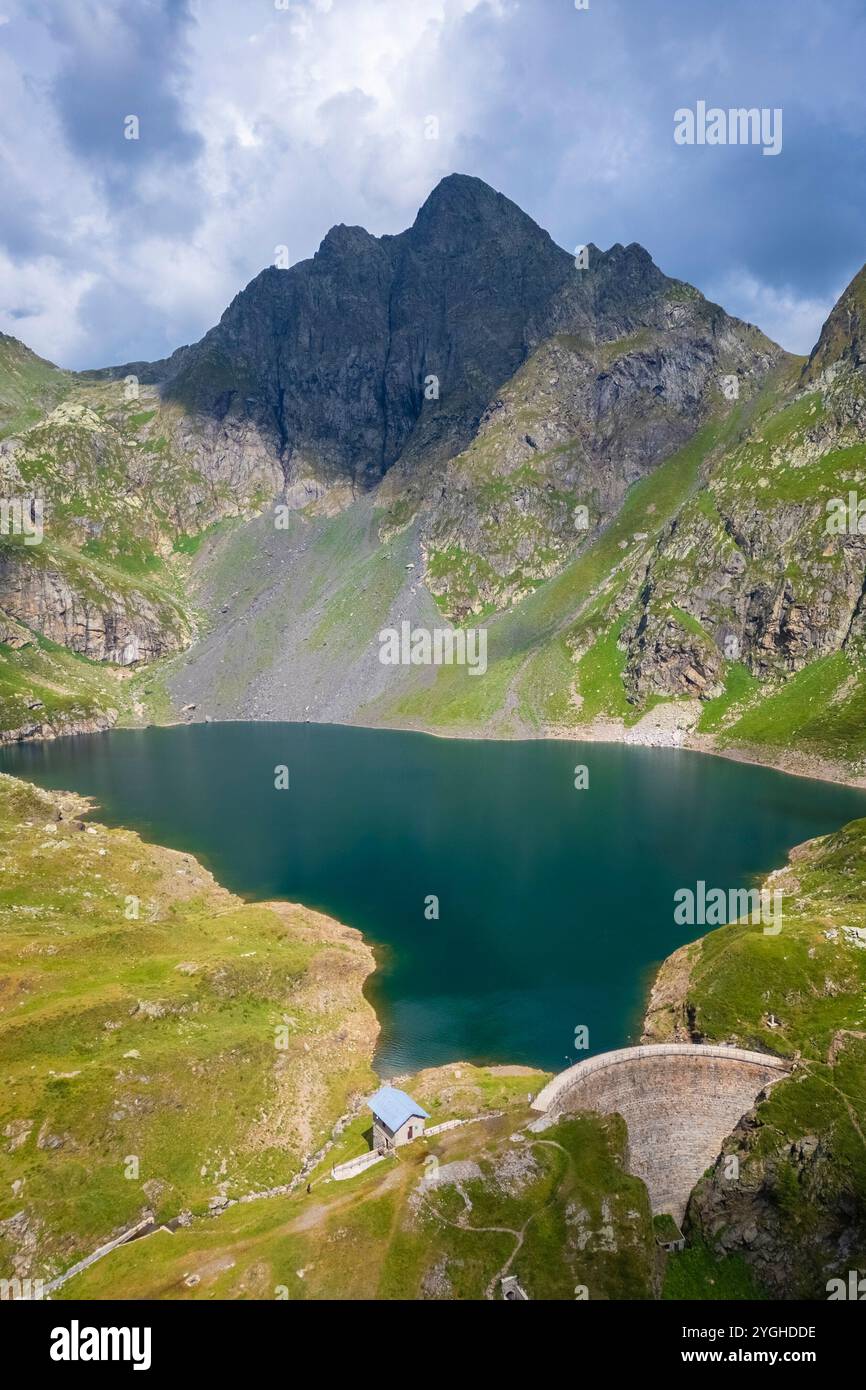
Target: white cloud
{"x": 40, "y": 303}
{"x": 788, "y": 318}
{"x": 306, "y": 116}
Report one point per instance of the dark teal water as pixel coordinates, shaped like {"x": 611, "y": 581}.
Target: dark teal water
{"x": 554, "y": 904}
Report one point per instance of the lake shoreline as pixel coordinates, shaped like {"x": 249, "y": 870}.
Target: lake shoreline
{"x": 810, "y": 766}
{"x": 470, "y": 786}
{"x": 802, "y": 765}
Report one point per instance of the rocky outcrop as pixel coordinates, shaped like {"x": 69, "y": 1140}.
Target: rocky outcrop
{"x": 393, "y": 348}
{"x": 843, "y": 337}
{"x": 589, "y": 414}
{"x": 785, "y": 1190}
{"x": 126, "y": 628}
{"x": 40, "y": 729}
{"x": 784, "y": 1203}
{"x": 332, "y": 358}
{"x": 667, "y": 657}
{"x": 765, "y": 564}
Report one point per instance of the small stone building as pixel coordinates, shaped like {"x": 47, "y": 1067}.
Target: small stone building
{"x": 512, "y": 1289}
{"x": 397, "y": 1118}
{"x": 667, "y": 1233}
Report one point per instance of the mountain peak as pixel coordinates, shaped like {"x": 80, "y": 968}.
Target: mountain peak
{"x": 343, "y": 240}
{"x": 461, "y": 202}
{"x": 843, "y": 337}
{"x": 330, "y": 359}
{"x": 633, "y": 252}
{"x": 460, "y": 188}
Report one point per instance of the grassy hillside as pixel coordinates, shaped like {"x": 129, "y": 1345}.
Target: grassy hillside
{"x": 819, "y": 711}
{"x": 531, "y": 649}
{"x": 122, "y": 505}
{"x": 152, "y": 524}
{"x": 45, "y": 689}
{"x": 138, "y": 1018}
{"x": 797, "y": 1210}
{"x": 138, "y": 1039}
{"x": 48, "y": 689}
{"x": 716, "y": 579}
{"x": 557, "y": 1211}
{"x": 29, "y": 386}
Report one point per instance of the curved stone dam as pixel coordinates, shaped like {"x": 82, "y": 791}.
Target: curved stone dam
{"x": 679, "y": 1101}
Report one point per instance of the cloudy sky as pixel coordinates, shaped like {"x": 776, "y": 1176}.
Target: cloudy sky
{"x": 263, "y": 122}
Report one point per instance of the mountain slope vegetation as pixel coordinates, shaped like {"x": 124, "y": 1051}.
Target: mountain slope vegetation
{"x": 788, "y": 1192}
{"x": 166, "y": 1047}
{"x": 630, "y": 491}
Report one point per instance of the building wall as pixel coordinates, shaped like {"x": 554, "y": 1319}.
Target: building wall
{"x": 417, "y": 1127}
{"x": 382, "y": 1136}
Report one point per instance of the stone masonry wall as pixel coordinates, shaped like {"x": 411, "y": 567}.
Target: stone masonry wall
{"x": 678, "y": 1100}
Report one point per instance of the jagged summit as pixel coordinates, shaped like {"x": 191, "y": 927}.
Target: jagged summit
{"x": 343, "y": 240}
{"x": 378, "y": 344}
{"x": 480, "y": 406}
{"x": 379, "y": 349}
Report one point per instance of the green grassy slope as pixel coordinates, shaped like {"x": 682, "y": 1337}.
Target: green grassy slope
{"x": 138, "y": 1010}
{"x": 797, "y": 1210}
{"x": 29, "y": 386}
{"x": 43, "y": 684}
{"x": 531, "y": 665}
{"x": 820, "y": 711}
{"x": 123, "y": 507}
{"x": 557, "y": 1211}
{"x": 559, "y": 659}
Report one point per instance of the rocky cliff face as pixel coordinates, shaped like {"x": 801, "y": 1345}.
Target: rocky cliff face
{"x": 792, "y": 1212}
{"x": 333, "y": 359}
{"x": 755, "y": 563}
{"x": 386, "y": 349}
{"x": 843, "y": 337}
{"x": 788, "y": 1190}
{"x": 114, "y": 500}
{"x": 380, "y": 357}
{"x": 583, "y": 420}
{"x": 121, "y": 626}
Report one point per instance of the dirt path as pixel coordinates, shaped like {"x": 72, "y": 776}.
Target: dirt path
{"x": 314, "y": 1215}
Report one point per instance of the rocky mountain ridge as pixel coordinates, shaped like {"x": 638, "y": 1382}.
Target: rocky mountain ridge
{"x": 378, "y": 347}
{"x": 627, "y": 486}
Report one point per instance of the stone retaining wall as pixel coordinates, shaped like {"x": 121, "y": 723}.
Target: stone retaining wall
{"x": 456, "y": 1124}
{"x": 98, "y": 1254}
{"x": 353, "y": 1166}
{"x": 679, "y": 1101}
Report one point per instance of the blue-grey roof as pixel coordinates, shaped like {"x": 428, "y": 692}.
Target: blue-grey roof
{"x": 394, "y": 1107}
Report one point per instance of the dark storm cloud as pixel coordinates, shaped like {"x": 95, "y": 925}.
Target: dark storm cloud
{"x": 606, "y": 82}
{"x": 261, "y": 127}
